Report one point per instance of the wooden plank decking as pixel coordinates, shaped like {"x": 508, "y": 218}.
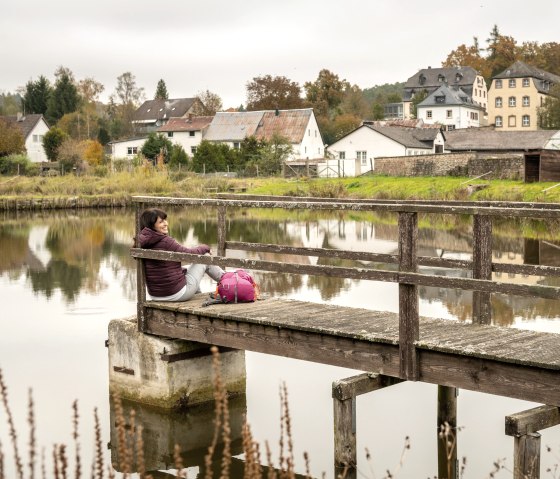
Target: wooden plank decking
{"x": 504, "y": 361}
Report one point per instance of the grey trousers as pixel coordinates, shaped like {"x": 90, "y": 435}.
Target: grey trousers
{"x": 194, "y": 274}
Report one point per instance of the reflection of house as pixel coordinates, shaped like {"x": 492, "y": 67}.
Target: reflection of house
{"x": 430, "y": 79}
{"x": 450, "y": 106}
{"x": 516, "y": 94}
{"x": 299, "y": 127}
{"x": 32, "y": 128}
{"x": 155, "y": 113}
{"x": 187, "y": 132}
{"x": 355, "y": 153}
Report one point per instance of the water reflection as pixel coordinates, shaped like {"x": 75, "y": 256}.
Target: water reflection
{"x": 66, "y": 251}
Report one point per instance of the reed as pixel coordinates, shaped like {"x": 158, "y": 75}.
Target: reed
{"x": 32, "y": 440}
{"x": 11, "y": 427}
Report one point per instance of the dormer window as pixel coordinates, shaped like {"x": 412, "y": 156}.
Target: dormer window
{"x": 440, "y": 99}
{"x": 458, "y": 77}
{"x": 422, "y": 79}
{"x": 441, "y": 78}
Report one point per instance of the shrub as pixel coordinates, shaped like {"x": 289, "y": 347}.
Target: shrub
{"x": 18, "y": 165}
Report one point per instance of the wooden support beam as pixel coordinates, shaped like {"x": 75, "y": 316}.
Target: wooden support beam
{"x": 482, "y": 267}
{"x": 447, "y": 432}
{"x": 532, "y": 420}
{"x": 527, "y": 456}
{"x": 222, "y": 210}
{"x": 408, "y": 297}
{"x": 344, "y": 394}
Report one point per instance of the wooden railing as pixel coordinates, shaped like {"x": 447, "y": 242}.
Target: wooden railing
{"x": 407, "y": 259}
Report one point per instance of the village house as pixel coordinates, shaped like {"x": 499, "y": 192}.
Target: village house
{"x": 299, "y": 127}
{"x": 516, "y": 94}
{"x": 126, "y": 149}
{"x": 33, "y": 129}
{"x": 451, "y": 107}
{"x": 355, "y": 153}
{"x": 187, "y": 132}
{"x": 430, "y": 79}
{"x": 154, "y": 113}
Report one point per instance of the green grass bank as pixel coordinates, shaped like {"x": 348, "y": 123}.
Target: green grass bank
{"x": 116, "y": 189}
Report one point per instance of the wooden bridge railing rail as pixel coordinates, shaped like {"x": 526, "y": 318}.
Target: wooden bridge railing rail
{"x": 407, "y": 260}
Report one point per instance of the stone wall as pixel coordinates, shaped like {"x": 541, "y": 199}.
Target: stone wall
{"x": 502, "y": 166}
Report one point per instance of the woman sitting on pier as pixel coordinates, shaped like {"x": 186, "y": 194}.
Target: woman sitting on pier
{"x": 168, "y": 280}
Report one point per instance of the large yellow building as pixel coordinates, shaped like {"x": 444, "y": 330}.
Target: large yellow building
{"x": 516, "y": 94}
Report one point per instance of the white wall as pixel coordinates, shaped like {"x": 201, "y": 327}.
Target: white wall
{"x": 34, "y": 142}
{"x": 311, "y": 146}
{"x": 185, "y": 139}
{"x": 460, "y": 116}
{"x": 119, "y": 149}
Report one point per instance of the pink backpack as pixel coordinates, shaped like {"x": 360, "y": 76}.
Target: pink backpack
{"x": 237, "y": 287}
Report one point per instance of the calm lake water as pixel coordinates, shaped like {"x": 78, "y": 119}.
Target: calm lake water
{"x": 64, "y": 275}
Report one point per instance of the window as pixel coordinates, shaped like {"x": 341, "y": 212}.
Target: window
{"x": 526, "y": 101}
{"x": 236, "y": 145}
{"x": 341, "y": 155}
{"x": 441, "y": 78}
{"x": 428, "y": 113}
{"x": 511, "y": 83}
{"x": 512, "y": 101}
{"x": 474, "y": 115}
{"x": 450, "y": 127}
{"x": 309, "y": 132}
{"x": 362, "y": 156}
{"x": 525, "y": 120}
{"x": 193, "y": 149}
{"x": 499, "y": 102}
{"x": 440, "y": 99}
{"x": 511, "y": 120}
{"x": 35, "y": 138}
{"x": 484, "y": 93}
{"x": 499, "y": 122}
{"x": 169, "y": 134}
{"x": 132, "y": 150}
{"x": 498, "y": 84}
{"x": 192, "y": 133}
{"x": 449, "y": 114}
{"x": 526, "y": 82}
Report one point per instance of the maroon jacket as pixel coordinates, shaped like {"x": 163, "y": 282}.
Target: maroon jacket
{"x": 165, "y": 278}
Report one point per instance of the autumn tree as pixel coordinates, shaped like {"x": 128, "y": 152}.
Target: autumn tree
{"x": 269, "y": 93}
{"x": 549, "y": 113}
{"x": 36, "y": 96}
{"x": 502, "y": 51}
{"x": 11, "y": 139}
{"x": 10, "y": 104}
{"x": 89, "y": 90}
{"x": 161, "y": 91}
{"x": 64, "y": 98}
{"x": 469, "y": 56}
{"x": 326, "y": 93}
{"x": 210, "y": 103}
{"x": 123, "y": 103}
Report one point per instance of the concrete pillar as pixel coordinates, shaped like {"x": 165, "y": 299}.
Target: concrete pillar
{"x": 167, "y": 373}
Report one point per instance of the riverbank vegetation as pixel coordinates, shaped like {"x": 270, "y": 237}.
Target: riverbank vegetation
{"x": 146, "y": 180}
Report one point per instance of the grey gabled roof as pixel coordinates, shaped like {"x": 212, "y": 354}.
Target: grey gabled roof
{"x": 451, "y": 95}
{"x": 154, "y": 110}
{"x": 483, "y": 139}
{"x": 194, "y": 123}
{"x": 409, "y": 137}
{"x": 233, "y": 126}
{"x": 432, "y": 78}
{"x": 523, "y": 70}
{"x": 25, "y": 124}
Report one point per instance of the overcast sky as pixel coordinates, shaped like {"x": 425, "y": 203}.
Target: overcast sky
{"x": 220, "y": 45}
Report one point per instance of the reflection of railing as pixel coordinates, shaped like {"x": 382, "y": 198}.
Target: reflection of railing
{"x": 407, "y": 275}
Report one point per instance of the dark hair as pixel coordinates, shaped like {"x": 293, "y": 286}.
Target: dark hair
{"x": 149, "y": 217}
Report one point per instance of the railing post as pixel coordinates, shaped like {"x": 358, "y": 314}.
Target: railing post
{"x": 222, "y": 210}
{"x": 447, "y": 438}
{"x": 140, "y": 275}
{"x": 409, "y": 328}
{"x": 482, "y": 267}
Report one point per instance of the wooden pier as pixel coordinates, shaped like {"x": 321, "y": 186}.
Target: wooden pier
{"x": 479, "y": 356}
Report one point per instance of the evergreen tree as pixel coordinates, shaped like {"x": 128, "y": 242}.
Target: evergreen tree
{"x": 52, "y": 141}
{"x": 156, "y": 144}
{"x": 64, "y": 98}
{"x": 36, "y": 96}
{"x": 161, "y": 91}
